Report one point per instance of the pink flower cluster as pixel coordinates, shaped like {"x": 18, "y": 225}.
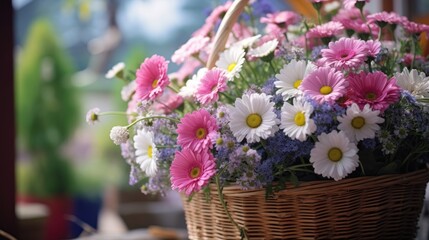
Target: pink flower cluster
{"x": 328, "y": 84}
{"x": 193, "y": 167}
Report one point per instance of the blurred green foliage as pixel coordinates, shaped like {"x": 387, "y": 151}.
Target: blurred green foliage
{"x": 47, "y": 109}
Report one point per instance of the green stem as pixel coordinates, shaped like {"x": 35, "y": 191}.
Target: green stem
{"x": 114, "y": 113}
{"x": 173, "y": 89}
{"x": 252, "y": 17}
{"x": 242, "y": 230}
{"x": 197, "y": 57}
{"x": 252, "y": 69}
{"x": 413, "y": 48}
{"x": 379, "y": 33}
{"x": 319, "y": 17}
{"x": 364, "y": 20}
{"x": 369, "y": 66}
{"x": 244, "y": 79}
{"x": 307, "y": 51}
{"x": 424, "y": 100}
{"x": 170, "y": 146}
{"x": 272, "y": 67}
{"x": 295, "y": 167}
{"x": 148, "y": 118}
{"x": 303, "y": 170}
{"x": 361, "y": 166}
{"x": 227, "y": 96}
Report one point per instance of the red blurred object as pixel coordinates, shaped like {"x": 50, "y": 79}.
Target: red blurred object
{"x": 57, "y": 225}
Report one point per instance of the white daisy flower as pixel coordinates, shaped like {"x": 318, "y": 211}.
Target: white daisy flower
{"x": 295, "y": 119}
{"x": 128, "y": 91}
{"x": 360, "y": 124}
{"x": 115, "y": 71}
{"x": 417, "y": 84}
{"x": 92, "y": 116}
{"x": 331, "y": 6}
{"x": 265, "y": 49}
{"x": 291, "y": 76}
{"x": 189, "y": 90}
{"x": 334, "y": 156}
{"x": 231, "y": 60}
{"x": 253, "y": 118}
{"x": 247, "y": 42}
{"x": 146, "y": 152}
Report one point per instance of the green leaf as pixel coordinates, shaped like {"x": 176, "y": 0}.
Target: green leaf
{"x": 294, "y": 179}
{"x": 269, "y": 192}
{"x": 207, "y": 194}
{"x": 190, "y": 197}
{"x": 389, "y": 169}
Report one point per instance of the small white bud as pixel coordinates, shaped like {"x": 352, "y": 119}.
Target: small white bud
{"x": 119, "y": 135}
{"x": 92, "y": 116}
{"x": 115, "y": 70}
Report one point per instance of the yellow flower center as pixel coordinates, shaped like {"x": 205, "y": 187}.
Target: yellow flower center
{"x": 245, "y": 148}
{"x": 155, "y": 83}
{"x": 370, "y": 96}
{"x": 149, "y": 151}
{"x": 358, "y": 122}
{"x": 325, "y": 90}
{"x": 254, "y": 120}
{"x": 297, "y": 83}
{"x": 231, "y": 66}
{"x": 335, "y": 154}
{"x": 201, "y": 133}
{"x": 195, "y": 172}
{"x": 299, "y": 119}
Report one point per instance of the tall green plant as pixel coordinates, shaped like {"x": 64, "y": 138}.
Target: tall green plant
{"x": 47, "y": 108}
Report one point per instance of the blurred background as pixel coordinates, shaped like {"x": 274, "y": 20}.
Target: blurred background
{"x": 64, "y": 167}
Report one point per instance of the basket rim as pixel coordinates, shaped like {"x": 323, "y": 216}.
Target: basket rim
{"x": 320, "y": 186}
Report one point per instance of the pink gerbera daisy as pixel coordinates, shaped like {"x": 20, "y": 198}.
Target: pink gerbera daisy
{"x": 280, "y": 21}
{"x": 152, "y": 78}
{"x": 197, "y": 131}
{"x": 212, "y": 83}
{"x": 409, "y": 58}
{"x": 348, "y": 4}
{"x": 190, "y": 170}
{"x": 352, "y": 20}
{"x": 415, "y": 28}
{"x": 373, "y": 89}
{"x": 325, "y": 30}
{"x": 383, "y": 18}
{"x": 349, "y": 14}
{"x": 373, "y": 47}
{"x": 324, "y": 85}
{"x": 345, "y": 53}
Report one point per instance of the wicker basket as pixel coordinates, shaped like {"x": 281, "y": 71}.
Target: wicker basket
{"x": 380, "y": 207}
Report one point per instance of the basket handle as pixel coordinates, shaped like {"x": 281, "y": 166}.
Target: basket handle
{"x": 225, "y": 29}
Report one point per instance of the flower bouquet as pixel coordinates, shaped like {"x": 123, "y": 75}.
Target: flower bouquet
{"x": 277, "y": 126}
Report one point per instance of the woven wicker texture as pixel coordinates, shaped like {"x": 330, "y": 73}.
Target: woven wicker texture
{"x": 380, "y": 207}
